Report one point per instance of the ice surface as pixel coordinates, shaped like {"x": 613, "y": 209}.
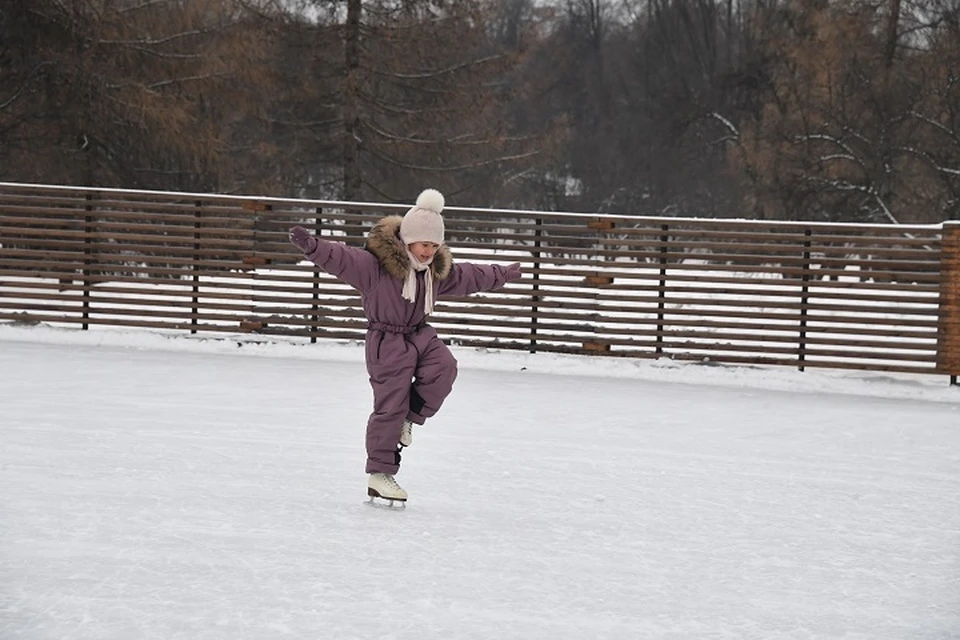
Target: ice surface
{"x": 171, "y": 488}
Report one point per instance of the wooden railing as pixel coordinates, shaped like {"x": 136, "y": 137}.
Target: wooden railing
{"x": 867, "y": 297}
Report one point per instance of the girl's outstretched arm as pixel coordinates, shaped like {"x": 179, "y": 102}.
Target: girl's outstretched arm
{"x": 467, "y": 278}
{"x": 357, "y": 267}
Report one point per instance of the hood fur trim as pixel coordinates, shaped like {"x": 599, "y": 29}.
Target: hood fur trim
{"x": 383, "y": 241}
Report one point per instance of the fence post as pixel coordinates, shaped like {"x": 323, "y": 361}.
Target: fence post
{"x": 662, "y": 291}
{"x": 804, "y": 299}
{"x": 948, "y": 325}
{"x": 88, "y": 258}
{"x": 535, "y": 290}
{"x": 197, "y": 224}
{"x": 315, "y": 305}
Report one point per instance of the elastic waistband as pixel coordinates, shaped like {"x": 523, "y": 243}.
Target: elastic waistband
{"x": 395, "y": 328}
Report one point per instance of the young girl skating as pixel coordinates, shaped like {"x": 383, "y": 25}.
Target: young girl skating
{"x": 403, "y": 268}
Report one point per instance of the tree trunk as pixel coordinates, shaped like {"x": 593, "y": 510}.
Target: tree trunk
{"x": 352, "y": 142}
{"x": 890, "y": 46}
{"x": 352, "y": 183}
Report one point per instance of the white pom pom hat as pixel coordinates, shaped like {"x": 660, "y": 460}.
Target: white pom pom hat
{"x": 423, "y": 223}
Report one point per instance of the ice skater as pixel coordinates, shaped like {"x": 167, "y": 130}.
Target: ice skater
{"x": 401, "y": 271}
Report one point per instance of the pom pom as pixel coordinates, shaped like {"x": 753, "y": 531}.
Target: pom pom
{"x": 431, "y": 199}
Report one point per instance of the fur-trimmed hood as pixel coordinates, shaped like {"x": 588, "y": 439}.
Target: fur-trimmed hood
{"x": 383, "y": 241}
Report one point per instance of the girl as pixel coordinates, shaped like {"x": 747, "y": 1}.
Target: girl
{"x": 403, "y": 268}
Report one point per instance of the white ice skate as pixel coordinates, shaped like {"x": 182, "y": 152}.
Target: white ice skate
{"x": 385, "y": 492}
{"x": 406, "y": 434}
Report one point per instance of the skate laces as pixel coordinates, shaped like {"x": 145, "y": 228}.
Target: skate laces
{"x": 390, "y": 481}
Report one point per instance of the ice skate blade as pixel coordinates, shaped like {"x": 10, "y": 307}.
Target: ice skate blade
{"x": 386, "y": 503}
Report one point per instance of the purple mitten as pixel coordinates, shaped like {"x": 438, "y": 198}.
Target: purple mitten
{"x": 303, "y": 240}
{"x": 511, "y": 272}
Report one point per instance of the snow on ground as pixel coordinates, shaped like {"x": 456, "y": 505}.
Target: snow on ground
{"x": 169, "y": 487}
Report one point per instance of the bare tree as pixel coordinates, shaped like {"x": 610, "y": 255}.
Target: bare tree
{"x": 408, "y": 94}
{"x": 125, "y": 93}
{"x": 637, "y": 81}
{"x": 847, "y": 121}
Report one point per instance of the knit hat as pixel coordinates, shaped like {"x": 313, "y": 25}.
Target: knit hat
{"x": 423, "y": 223}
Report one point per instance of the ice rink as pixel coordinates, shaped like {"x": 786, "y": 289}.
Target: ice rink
{"x": 213, "y": 491}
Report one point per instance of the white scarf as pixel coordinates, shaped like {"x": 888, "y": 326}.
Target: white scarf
{"x": 410, "y": 283}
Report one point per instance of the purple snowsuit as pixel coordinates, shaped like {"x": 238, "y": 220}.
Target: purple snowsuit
{"x": 411, "y": 370}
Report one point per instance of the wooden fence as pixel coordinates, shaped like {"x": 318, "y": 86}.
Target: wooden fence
{"x": 866, "y": 297}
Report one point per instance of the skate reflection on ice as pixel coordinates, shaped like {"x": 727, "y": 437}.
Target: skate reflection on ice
{"x": 386, "y": 503}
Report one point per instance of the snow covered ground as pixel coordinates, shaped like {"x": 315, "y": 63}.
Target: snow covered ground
{"x": 167, "y": 487}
